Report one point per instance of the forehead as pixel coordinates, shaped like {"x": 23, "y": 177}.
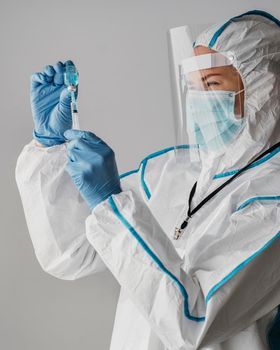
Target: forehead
{"x": 224, "y": 71}
{"x": 202, "y": 50}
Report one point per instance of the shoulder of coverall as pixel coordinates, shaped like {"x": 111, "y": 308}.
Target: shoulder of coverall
{"x": 153, "y": 165}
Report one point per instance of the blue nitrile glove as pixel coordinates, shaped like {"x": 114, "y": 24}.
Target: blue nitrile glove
{"x": 51, "y": 105}
{"x": 92, "y": 166}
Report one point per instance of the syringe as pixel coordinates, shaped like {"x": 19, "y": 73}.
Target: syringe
{"x": 71, "y": 79}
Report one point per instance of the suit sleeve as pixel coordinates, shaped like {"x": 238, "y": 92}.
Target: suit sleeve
{"x": 55, "y": 213}
{"x": 190, "y": 306}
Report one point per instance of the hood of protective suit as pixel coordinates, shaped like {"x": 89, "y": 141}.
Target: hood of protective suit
{"x": 254, "y": 40}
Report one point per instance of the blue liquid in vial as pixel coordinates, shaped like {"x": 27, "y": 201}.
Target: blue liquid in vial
{"x": 71, "y": 75}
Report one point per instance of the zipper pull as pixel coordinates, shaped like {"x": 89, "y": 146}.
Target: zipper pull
{"x": 179, "y": 231}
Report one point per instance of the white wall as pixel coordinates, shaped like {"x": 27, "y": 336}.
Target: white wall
{"x": 121, "y": 52}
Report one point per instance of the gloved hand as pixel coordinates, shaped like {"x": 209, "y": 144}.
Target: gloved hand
{"x": 51, "y": 105}
{"x": 92, "y": 166}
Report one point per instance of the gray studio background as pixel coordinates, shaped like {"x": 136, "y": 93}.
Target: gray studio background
{"x": 120, "y": 49}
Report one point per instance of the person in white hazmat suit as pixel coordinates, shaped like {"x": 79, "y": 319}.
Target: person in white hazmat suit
{"x": 213, "y": 282}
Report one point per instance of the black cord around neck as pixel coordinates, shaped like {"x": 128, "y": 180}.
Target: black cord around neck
{"x": 178, "y": 231}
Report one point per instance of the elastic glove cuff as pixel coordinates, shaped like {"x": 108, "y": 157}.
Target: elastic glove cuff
{"x": 48, "y": 141}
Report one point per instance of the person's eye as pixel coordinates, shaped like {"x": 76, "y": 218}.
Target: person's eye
{"x": 212, "y": 83}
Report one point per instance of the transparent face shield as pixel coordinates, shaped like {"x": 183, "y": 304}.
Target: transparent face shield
{"x": 208, "y": 96}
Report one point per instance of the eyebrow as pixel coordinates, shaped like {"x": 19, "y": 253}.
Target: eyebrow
{"x": 209, "y": 75}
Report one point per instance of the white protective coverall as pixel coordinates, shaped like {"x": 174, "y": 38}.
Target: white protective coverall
{"x": 216, "y": 288}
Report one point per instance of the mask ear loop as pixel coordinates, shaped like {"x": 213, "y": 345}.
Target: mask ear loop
{"x": 239, "y": 116}
{"x": 239, "y": 92}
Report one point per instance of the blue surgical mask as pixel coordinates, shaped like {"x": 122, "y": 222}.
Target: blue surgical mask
{"x": 211, "y": 122}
